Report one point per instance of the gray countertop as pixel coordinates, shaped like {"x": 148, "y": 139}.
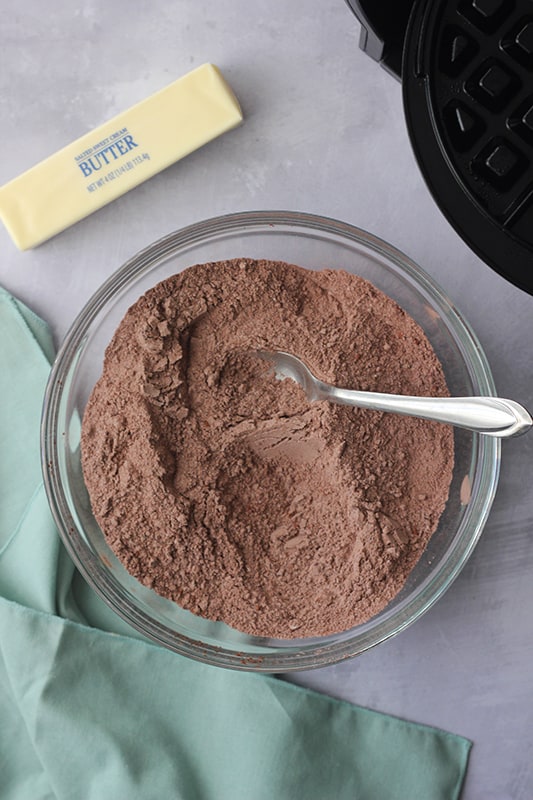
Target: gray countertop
{"x": 324, "y": 132}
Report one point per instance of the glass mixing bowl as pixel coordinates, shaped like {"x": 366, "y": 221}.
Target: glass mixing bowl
{"x": 313, "y": 242}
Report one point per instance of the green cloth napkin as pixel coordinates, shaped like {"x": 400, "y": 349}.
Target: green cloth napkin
{"x": 89, "y": 710}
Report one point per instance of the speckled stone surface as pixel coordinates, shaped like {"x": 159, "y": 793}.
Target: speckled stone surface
{"x": 324, "y": 133}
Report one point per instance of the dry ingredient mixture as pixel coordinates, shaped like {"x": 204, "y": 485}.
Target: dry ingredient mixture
{"x": 224, "y": 489}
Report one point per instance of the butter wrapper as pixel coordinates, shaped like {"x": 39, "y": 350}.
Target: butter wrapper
{"x": 117, "y": 156}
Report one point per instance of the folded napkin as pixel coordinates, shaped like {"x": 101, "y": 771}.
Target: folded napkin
{"x": 91, "y": 710}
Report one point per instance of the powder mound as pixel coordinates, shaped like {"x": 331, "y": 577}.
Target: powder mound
{"x": 224, "y": 489}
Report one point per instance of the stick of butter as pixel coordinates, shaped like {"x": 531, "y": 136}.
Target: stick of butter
{"x": 117, "y": 156}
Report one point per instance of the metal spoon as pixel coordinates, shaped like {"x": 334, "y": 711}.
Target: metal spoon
{"x": 492, "y": 416}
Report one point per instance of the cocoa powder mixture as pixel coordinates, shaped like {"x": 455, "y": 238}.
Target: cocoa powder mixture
{"x": 224, "y": 489}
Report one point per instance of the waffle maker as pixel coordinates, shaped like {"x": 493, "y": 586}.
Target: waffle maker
{"x": 466, "y": 68}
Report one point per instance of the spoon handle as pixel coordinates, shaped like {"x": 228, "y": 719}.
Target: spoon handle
{"x": 493, "y": 416}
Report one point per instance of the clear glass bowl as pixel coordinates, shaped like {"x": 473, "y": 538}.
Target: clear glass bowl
{"x": 313, "y": 242}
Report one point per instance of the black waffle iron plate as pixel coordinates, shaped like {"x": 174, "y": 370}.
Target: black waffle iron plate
{"x": 467, "y": 74}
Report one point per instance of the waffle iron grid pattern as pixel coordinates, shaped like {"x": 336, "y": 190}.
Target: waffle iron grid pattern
{"x": 482, "y": 95}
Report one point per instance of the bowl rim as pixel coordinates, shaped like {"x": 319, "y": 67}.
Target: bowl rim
{"x": 283, "y": 660}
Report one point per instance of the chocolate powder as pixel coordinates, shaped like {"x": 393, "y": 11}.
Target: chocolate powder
{"x": 224, "y": 489}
